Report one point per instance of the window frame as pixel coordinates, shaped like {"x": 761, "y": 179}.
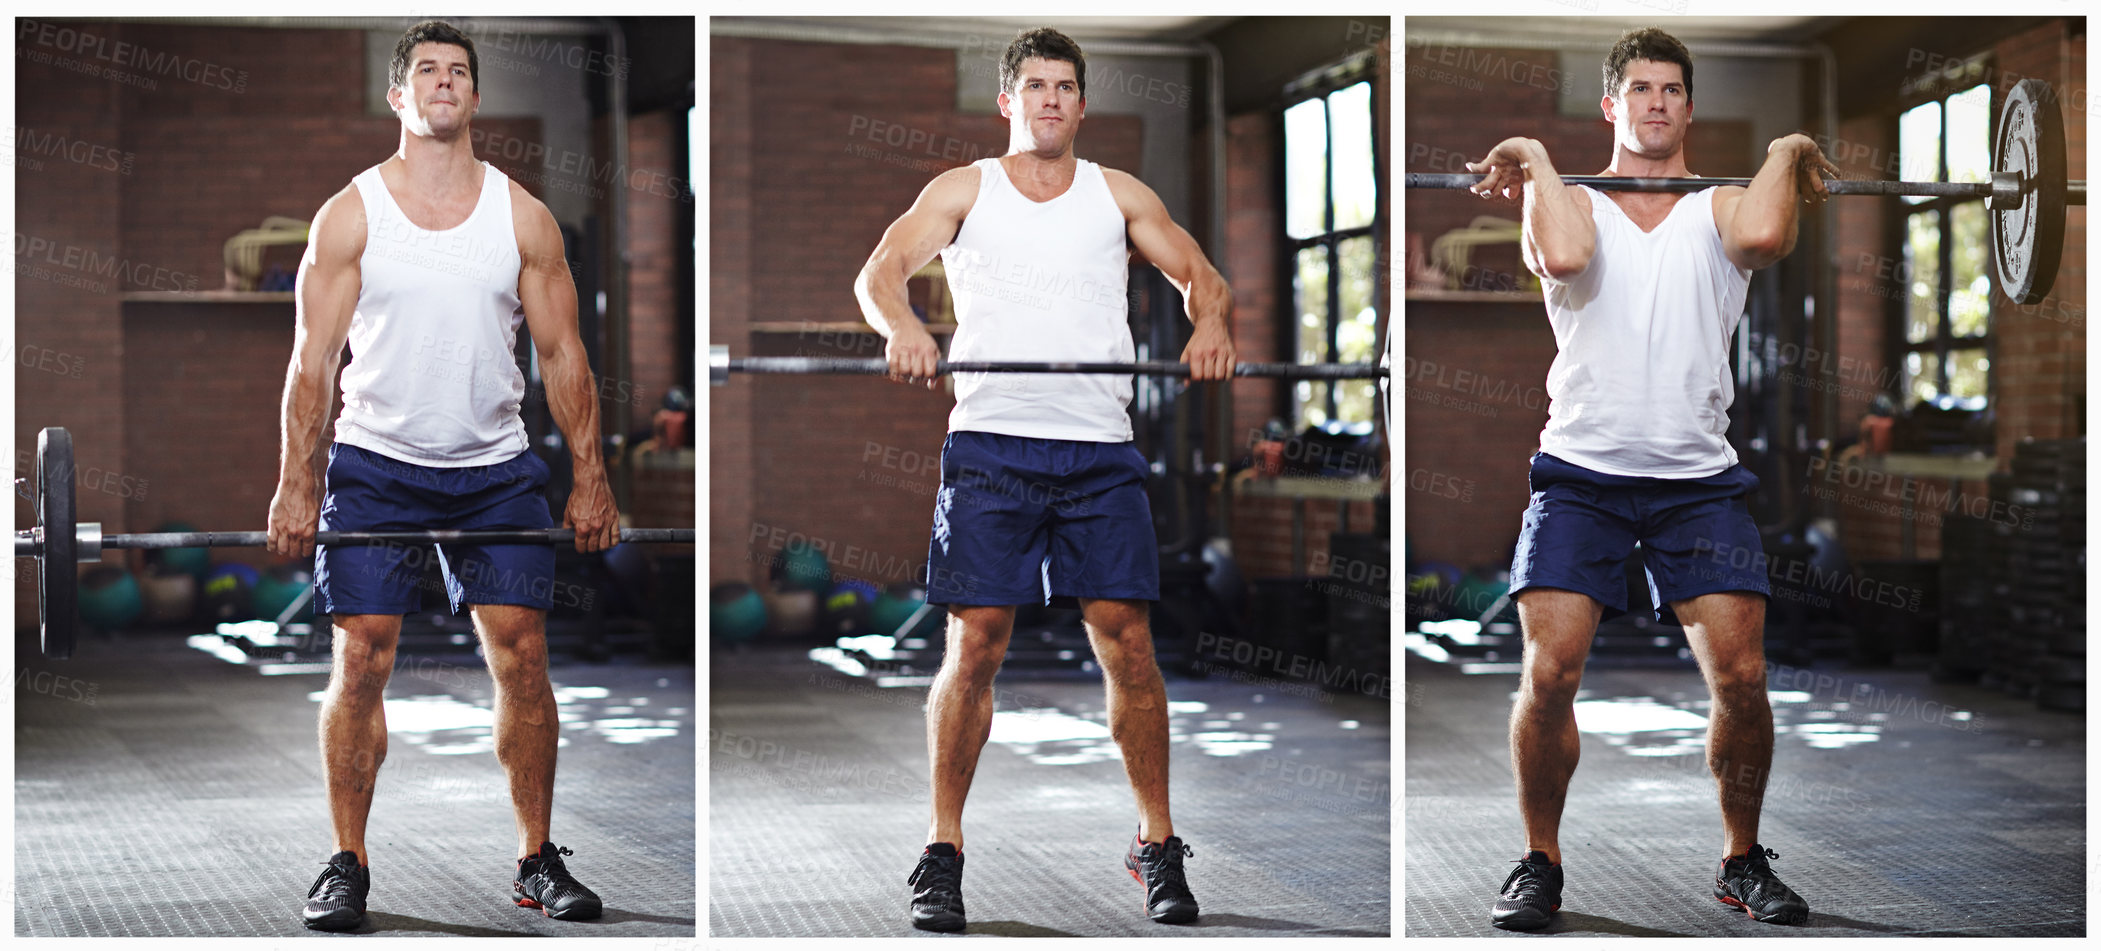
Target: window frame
{"x": 1944, "y": 341}
{"x": 1321, "y": 84}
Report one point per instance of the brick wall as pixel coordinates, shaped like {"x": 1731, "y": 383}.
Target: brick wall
{"x": 1871, "y": 285}
{"x": 68, "y": 337}
{"x": 1254, "y": 245}
{"x": 1475, "y": 379}
{"x": 730, "y": 419}
{"x": 653, "y": 251}
{"x": 179, "y": 401}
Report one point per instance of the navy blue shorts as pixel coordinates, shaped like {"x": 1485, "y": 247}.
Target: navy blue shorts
{"x": 1697, "y": 536}
{"x": 369, "y": 492}
{"x": 1028, "y": 521}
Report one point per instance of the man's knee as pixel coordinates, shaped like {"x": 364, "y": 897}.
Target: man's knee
{"x": 977, "y": 640}
{"x": 975, "y": 627}
{"x": 1126, "y": 655}
{"x": 512, "y": 636}
{"x": 1551, "y": 675}
{"x": 1739, "y": 683}
{"x": 974, "y": 658}
{"x": 516, "y": 653}
{"x": 364, "y": 651}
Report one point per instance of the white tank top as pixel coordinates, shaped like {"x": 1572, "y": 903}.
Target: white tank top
{"x": 1641, "y": 385}
{"x": 1041, "y": 281}
{"x": 432, "y": 379}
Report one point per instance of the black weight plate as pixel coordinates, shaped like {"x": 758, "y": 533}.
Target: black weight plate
{"x": 58, "y": 578}
{"x": 2028, "y": 240}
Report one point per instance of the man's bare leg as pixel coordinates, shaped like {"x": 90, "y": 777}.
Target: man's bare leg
{"x": 1123, "y": 644}
{"x": 354, "y": 722}
{"x": 528, "y": 727}
{"x": 1727, "y": 633}
{"x": 1544, "y": 744}
{"x": 959, "y": 711}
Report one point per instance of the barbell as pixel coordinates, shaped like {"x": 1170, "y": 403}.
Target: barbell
{"x": 60, "y": 540}
{"x": 2027, "y": 194}
{"x": 721, "y": 365}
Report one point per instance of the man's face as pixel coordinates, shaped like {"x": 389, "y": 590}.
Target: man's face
{"x": 1046, "y": 103}
{"x": 1650, "y": 115}
{"x": 440, "y": 96}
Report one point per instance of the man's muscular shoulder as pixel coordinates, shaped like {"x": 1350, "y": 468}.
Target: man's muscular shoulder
{"x": 524, "y": 207}
{"x": 1135, "y": 198}
{"x": 955, "y": 189}
{"x": 539, "y": 237}
{"x": 340, "y": 224}
{"x": 945, "y": 202}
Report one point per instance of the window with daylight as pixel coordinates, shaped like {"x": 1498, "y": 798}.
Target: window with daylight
{"x": 1331, "y": 202}
{"x": 1946, "y": 348}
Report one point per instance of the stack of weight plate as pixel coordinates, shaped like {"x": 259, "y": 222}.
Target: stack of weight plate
{"x": 2047, "y": 604}
{"x": 1360, "y": 605}
{"x": 2008, "y": 658}
{"x": 1967, "y": 604}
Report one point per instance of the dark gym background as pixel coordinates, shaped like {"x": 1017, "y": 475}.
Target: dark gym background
{"x": 1274, "y": 623}
{"x": 1926, "y": 641}
{"x": 182, "y": 790}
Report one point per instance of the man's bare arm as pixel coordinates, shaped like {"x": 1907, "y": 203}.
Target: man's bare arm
{"x": 910, "y": 242}
{"x": 326, "y": 296}
{"x": 1171, "y": 249}
{"x": 1559, "y": 236}
{"x": 1758, "y": 224}
{"x": 548, "y": 294}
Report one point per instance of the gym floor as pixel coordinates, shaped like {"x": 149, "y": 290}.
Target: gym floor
{"x": 817, "y": 806}
{"x": 1898, "y": 806}
{"x": 160, "y": 790}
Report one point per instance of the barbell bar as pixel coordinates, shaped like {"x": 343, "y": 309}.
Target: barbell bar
{"x": 59, "y": 541}
{"x": 90, "y": 542}
{"x": 721, "y": 365}
{"x": 2027, "y": 195}
{"x": 2008, "y": 190}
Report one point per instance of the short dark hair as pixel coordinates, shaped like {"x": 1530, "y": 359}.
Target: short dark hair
{"x": 1041, "y": 43}
{"x": 1650, "y": 44}
{"x": 431, "y": 31}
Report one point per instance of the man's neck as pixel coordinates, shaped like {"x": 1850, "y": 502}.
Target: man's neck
{"x": 1035, "y": 166}
{"x": 1630, "y": 164}
{"x": 436, "y": 166}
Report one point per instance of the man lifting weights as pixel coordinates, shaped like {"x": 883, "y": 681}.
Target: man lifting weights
{"x": 1042, "y": 492}
{"x": 1644, "y": 291}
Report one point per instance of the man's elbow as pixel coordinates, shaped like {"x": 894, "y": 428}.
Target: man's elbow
{"x": 864, "y": 284}
{"x": 1564, "y": 266}
{"x": 560, "y": 356}
{"x": 1762, "y": 248}
{"x": 875, "y": 283}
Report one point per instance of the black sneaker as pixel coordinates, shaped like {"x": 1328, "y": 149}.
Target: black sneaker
{"x": 543, "y": 882}
{"x": 1531, "y": 895}
{"x": 937, "y": 896}
{"x": 1747, "y": 882}
{"x": 1158, "y": 867}
{"x": 336, "y": 902}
